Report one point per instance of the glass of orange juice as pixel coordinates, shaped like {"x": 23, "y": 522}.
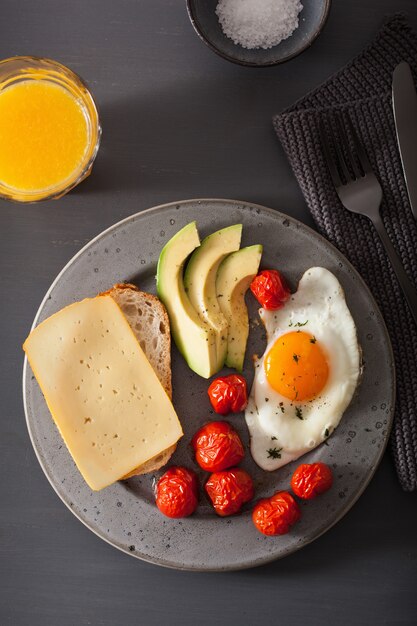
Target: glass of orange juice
{"x": 49, "y": 129}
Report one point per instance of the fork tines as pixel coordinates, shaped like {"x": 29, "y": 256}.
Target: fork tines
{"x": 343, "y": 151}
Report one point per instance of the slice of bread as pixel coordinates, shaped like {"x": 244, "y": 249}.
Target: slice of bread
{"x": 149, "y": 321}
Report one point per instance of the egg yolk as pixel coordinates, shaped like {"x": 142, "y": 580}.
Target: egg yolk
{"x": 296, "y": 366}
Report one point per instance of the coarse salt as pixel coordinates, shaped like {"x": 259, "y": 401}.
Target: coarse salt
{"x": 258, "y": 23}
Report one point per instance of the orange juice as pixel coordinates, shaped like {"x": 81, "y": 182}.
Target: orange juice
{"x": 43, "y": 135}
{"x": 49, "y": 129}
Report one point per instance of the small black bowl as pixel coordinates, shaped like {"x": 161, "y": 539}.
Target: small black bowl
{"x": 312, "y": 19}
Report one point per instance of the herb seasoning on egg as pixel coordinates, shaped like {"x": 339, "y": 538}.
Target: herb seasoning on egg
{"x": 274, "y": 453}
{"x": 299, "y": 413}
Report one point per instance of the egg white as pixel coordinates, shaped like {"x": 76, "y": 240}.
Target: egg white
{"x": 282, "y": 430}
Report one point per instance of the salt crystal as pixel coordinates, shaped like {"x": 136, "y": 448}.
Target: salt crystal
{"x": 258, "y": 23}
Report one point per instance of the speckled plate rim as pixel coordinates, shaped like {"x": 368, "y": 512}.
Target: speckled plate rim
{"x": 312, "y": 233}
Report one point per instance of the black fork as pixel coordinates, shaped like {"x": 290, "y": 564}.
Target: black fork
{"x": 360, "y": 192}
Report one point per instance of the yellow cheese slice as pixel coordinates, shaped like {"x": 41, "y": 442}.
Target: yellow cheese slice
{"x": 103, "y": 394}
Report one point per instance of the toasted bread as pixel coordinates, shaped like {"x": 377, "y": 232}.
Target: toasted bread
{"x": 149, "y": 321}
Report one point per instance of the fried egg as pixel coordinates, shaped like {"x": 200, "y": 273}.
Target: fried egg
{"x": 308, "y": 373}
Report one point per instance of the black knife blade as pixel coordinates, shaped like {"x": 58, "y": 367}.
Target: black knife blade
{"x": 404, "y": 101}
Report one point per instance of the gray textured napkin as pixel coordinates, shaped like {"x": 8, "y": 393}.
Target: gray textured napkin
{"x": 362, "y": 90}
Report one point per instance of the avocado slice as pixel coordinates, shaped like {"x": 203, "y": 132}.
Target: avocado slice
{"x": 235, "y": 275}
{"x": 194, "y": 338}
{"x": 200, "y": 281}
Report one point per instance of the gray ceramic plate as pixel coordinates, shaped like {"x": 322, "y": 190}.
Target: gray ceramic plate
{"x": 125, "y": 514}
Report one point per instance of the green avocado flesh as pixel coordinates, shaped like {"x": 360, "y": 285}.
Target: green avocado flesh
{"x": 194, "y": 337}
{"x": 200, "y": 282}
{"x": 234, "y": 277}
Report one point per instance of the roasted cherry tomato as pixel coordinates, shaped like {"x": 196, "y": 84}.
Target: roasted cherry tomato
{"x": 276, "y": 515}
{"x": 270, "y": 289}
{"x": 229, "y": 490}
{"x": 177, "y": 492}
{"x": 228, "y": 394}
{"x": 310, "y": 480}
{"x": 217, "y": 446}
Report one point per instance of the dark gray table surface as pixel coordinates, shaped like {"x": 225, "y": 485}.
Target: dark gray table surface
{"x": 179, "y": 122}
